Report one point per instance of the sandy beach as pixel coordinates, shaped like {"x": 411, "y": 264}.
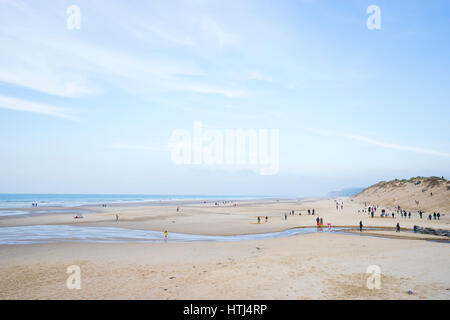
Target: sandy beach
{"x": 319, "y": 265}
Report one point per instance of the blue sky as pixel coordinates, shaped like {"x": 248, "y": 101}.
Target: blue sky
{"x": 92, "y": 110}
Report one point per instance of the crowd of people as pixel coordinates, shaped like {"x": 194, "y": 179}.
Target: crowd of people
{"x": 371, "y": 211}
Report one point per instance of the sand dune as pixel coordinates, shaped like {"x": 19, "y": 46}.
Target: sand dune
{"x": 427, "y": 194}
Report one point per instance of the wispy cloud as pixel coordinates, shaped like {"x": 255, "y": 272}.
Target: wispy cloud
{"x": 137, "y": 147}
{"x": 215, "y": 32}
{"x": 209, "y": 89}
{"x": 259, "y": 76}
{"x": 380, "y": 143}
{"x": 70, "y": 65}
{"x": 396, "y": 146}
{"x": 27, "y": 106}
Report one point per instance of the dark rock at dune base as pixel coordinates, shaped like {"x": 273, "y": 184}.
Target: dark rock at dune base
{"x": 436, "y": 232}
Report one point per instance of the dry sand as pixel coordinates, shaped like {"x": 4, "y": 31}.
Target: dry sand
{"x": 312, "y": 266}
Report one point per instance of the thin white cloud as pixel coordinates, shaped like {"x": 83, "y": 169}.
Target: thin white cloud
{"x": 397, "y": 146}
{"x": 291, "y": 86}
{"x": 380, "y": 143}
{"x": 27, "y": 106}
{"x": 137, "y": 147}
{"x": 215, "y": 32}
{"x": 209, "y": 89}
{"x": 259, "y": 76}
{"x": 63, "y": 63}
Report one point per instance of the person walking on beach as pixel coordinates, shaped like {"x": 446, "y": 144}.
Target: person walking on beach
{"x": 285, "y": 216}
{"x": 371, "y": 214}
{"x": 117, "y": 217}
{"x": 259, "y": 219}
{"x": 266, "y": 218}
{"x": 321, "y": 222}
{"x": 166, "y": 234}
{"x": 409, "y": 215}
{"x": 360, "y": 226}
{"x": 438, "y": 215}
{"x": 312, "y": 211}
{"x": 429, "y": 217}
{"x": 309, "y": 212}
{"x": 392, "y": 215}
{"x": 398, "y": 227}
{"x": 420, "y": 214}
{"x": 434, "y": 215}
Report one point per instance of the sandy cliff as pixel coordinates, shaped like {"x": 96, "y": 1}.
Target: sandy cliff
{"x": 420, "y": 193}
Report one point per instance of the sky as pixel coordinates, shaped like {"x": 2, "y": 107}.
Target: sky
{"x": 94, "y": 109}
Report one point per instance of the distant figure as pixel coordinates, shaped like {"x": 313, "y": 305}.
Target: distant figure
{"x": 285, "y": 216}
{"x": 434, "y": 215}
{"x": 321, "y": 222}
{"x": 266, "y": 218}
{"x": 312, "y": 211}
{"x": 117, "y": 217}
{"x": 178, "y": 209}
{"x": 431, "y": 194}
{"x": 329, "y": 226}
{"x": 166, "y": 234}
{"x": 409, "y": 215}
{"x": 392, "y": 215}
{"x": 317, "y": 221}
{"x": 429, "y": 217}
{"x": 342, "y": 207}
{"x": 360, "y": 226}
{"x": 372, "y": 214}
{"x": 420, "y": 214}
{"x": 309, "y": 211}
{"x": 438, "y": 215}
{"x": 259, "y": 219}
{"x": 398, "y": 227}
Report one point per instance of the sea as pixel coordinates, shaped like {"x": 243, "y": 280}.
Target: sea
{"x": 18, "y": 200}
